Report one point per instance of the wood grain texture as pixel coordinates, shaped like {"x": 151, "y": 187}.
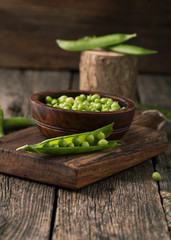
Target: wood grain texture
{"x": 29, "y": 30}
{"x": 109, "y": 72}
{"x": 158, "y": 93}
{"x": 26, "y": 209}
{"x": 76, "y": 171}
{"x": 120, "y": 207}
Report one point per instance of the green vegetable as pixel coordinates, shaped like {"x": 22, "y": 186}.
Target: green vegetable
{"x": 131, "y": 50}
{"x": 93, "y": 103}
{"x": 1, "y": 122}
{"x": 87, "y": 138}
{"x": 167, "y": 113}
{"x": 89, "y": 43}
{"x": 156, "y": 176}
{"x": 16, "y": 123}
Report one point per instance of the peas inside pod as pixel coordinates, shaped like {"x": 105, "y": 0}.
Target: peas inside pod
{"x": 92, "y": 102}
{"x": 77, "y": 143}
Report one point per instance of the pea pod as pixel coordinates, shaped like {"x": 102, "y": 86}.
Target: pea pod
{"x": 1, "y": 122}
{"x": 131, "y": 50}
{"x": 89, "y": 43}
{"x": 51, "y": 146}
{"x": 16, "y": 123}
{"x": 166, "y": 112}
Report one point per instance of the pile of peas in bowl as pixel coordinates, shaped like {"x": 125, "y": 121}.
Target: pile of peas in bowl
{"x": 91, "y": 102}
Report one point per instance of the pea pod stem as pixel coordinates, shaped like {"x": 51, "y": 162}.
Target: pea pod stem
{"x": 1, "y": 122}
{"x": 166, "y": 112}
{"x": 46, "y": 147}
{"x": 89, "y": 43}
{"x": 16, "y": 123}
{"x": 131, "y": 50}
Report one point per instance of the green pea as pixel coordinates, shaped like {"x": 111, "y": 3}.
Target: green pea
{"x": 55, "y": 145}
{"x": 86, "y": 102}
{"x": 98, "y": 106}
{"x": 102, "y": 142}
{"x": 95, "y": 96}
{"x": 105, "y": 110}
{"x": 100, "y": 135}
{"x": 62, "y": 98}
{"x": 90, "y": 139}
{"x": 85, "y": 144}
{"x": 78, "y": 99}
{"x": 48, "y": 99}
{"x": 80, "y": 107}
{"x": 66, "y": 107}
{"x": 70, "y": 100}
{"x": 54, "y": 101}
{"x": 89, "y": 98}
{"x": 156, "y": 176}
{"x": 50, "y": 105}
{"x": 115, "y": 105}
{"x": 83, "y": 97}
{"x": 93, "y": 109}
{"x": 62, "y": 143}
{"x": 76, "y": 141}
{"x": 104, "y": 100}
{"x": 97, "y": 100}
{"x": 71, "y": 145}
{"x": 109, "y": 102}
{"x": 56, "y": 105}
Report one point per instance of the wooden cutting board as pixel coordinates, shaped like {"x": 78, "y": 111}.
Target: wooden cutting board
{"x": 75, "y": 171}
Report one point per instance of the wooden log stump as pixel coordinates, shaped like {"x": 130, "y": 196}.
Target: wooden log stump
{"x": 108, "y": 72}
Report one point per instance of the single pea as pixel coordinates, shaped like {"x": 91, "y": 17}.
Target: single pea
{"x": 169, "y": 163}
{"x": 115, "y": 105}
{"x": 98, "y": 106}
{"x": 48, "y": 99}
{"x": 109, "y": 102}
{"x": 97, "y": 100}
{"x": 70, "y": 145}
{"x": 66, "y": 108}
{"x": 89, "y": 98}
{"x": 74, "y": 108}
{"x": 76, "y": 141}
{"x": 67, "y": 104}
{"x": 83, "y": 97}
{"x": 90, "y": 138}
{"x": 85, "y": 144}
{"x": 86, "y": 102}
{"x": 56, "y": 105}
{"x": 104, "y": 100}
{"x": 62, "y": 143}
{"x": 70, "y": 100}
{"x": 122, "y": 108}
{"x": 102, "y": 142}
{"x": 50, "y": 105}
{"x": 55, "y": 145}
{"x": 61, "y": 105}
{"x": 105, "y": 110}
{"x": 100, "y": 135}
{"x": 80, "y": 107}
{"x": 114, "y": 108}
{"x": 95, "y": 96}
{"x": 62, "y": 98}
{"x": 47, "y": 145}
{"x": 92, "y": 109}
{"x": 78, "y": 99}
{"x": 156, "y": 176}
{"x": 54, "y": 101}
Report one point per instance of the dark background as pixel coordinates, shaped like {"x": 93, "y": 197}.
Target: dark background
{"x": 28, "y": 30}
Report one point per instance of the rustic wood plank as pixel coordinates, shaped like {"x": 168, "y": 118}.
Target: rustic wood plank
{"x": 29, "y": 30}
{"x": 125, "y": 206}
{"x": 76, "y": 171}
{"x": 156, "y": 90}
{"x": 26, "y": 207}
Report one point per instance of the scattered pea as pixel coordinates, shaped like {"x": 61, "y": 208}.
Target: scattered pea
{"x": 156, "y": 176}
{"x": 48, "y": 99}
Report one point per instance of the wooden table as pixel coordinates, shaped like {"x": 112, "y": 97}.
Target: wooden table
{"x": 128, "y": 205}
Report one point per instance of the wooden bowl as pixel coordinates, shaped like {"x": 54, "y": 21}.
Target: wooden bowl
{"x": 53, "y": 122}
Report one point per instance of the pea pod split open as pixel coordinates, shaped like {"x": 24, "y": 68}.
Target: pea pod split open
{"x": 51, "y": 146}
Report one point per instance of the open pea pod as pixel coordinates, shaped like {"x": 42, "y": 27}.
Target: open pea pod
{"x": 51, "y": 146}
